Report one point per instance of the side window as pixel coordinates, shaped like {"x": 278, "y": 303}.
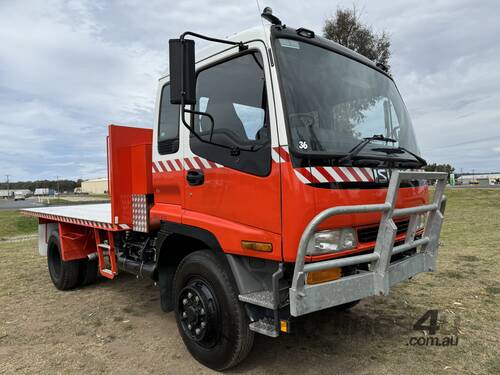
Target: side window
{"x": 234, "y": 94}
{"x": 168, "y": 128}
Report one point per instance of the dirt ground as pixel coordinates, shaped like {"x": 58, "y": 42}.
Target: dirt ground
{"x": 117, "y": 326}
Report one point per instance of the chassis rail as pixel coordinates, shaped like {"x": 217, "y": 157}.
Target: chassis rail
{"x": 382, "y": 273}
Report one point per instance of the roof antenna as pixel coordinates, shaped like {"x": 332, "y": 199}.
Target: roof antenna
{"x": 267, "y": 14}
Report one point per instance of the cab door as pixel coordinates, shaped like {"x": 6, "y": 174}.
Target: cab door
{"x": 167, "y": 168}
{"x": 233, "y": 188}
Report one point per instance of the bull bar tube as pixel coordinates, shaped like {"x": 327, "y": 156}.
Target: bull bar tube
{"x": 382, "y": 272}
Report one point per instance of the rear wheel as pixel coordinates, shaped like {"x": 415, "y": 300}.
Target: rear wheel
{"x": 63, "y": 274}
{"x": 88, "y": 271}
{"x": 211, "y": 320}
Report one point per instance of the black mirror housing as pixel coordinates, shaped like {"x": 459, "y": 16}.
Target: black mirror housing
{"x": 182, "y": 71}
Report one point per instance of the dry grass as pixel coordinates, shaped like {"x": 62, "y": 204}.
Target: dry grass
{"x": 118, "y": 326}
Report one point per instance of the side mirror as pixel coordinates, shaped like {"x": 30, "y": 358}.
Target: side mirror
{"x": 182, "y": 71}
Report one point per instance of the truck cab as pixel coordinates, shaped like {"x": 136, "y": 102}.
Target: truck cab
{"x": 288, "y": 151}
{"x": 282, "y": 176}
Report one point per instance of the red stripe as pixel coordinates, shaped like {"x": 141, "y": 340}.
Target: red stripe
{"x": 170, "y": 164}
{"x": 366, "y": 174}
{"x": 354, "y": 174}
{"x": 305, "y": 172}
{"x": 188, "y": 162}
{"x": 341, "y": 174}
{"x": 179, "y": 163}
{"x": 325, "y": 174}
{"x": 282, "y": 152}
{"x": 155, "y": 168}
{"x": 163, "y": 165}
{"x": 212, "y": 164}
{"x": 200, "y": 163}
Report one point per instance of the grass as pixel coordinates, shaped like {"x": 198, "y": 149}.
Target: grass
{"x": 12, "y": 224}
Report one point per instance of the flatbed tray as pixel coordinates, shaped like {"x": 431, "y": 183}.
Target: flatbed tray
{"x": 92, "y": 215}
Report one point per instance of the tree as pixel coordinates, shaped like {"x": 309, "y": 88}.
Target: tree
{"x": 346, "y": 28}
{"x": 439, "y": 168}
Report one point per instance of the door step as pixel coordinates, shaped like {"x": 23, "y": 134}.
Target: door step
{"x": 263, "y": 298}
{"x": 264, "y": 327}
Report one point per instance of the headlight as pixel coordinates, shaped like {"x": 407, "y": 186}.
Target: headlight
{"x": 329, "y": 241}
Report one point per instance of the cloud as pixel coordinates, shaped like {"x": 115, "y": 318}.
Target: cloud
{"x": 69, "y": 68}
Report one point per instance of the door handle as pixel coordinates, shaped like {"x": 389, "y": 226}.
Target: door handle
{"x": 195, "y": 177}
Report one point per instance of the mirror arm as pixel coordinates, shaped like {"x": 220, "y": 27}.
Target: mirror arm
{"x": 191, "y": 130}
{"x": 241, "y": 45}
{"x": 212, "y": 123}
{"x": 233, "y": 149}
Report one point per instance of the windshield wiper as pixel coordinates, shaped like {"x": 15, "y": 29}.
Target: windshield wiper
{"x": 361, "y": 145}
{"x": 401, "y": 150}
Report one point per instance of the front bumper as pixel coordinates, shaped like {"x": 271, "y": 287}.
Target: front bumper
{"x": 382, "y": 273}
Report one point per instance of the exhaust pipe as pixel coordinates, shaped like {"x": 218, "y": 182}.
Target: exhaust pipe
{"x": 139, "y": 269}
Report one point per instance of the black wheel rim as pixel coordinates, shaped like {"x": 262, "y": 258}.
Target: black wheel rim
{"x": 199, "y": 313}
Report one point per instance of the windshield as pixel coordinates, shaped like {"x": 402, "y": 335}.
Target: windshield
{"x": 333, "y": 102}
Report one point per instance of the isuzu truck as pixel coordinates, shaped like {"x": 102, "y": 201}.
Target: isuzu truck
{"x": 281, "y": 177}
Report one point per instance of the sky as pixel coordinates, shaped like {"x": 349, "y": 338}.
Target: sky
{"x": 70, "y": 68}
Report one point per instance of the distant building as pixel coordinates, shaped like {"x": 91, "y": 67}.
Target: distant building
{"x": 6, "y": 193}
{"x": 479, "y": 179}
{"x": 25, "y": 192}
{"x": 43, "y": 191}
{"x": 95, "y": 186}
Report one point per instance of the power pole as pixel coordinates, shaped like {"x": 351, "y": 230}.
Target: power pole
{"x": 57, "y": 184}
{"x": 8, "y": 186}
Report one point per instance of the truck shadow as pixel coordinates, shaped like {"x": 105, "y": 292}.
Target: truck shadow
{"x": 331, "y": 341}
{"x": 328, "y": 340}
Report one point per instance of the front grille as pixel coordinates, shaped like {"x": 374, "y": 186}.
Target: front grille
{"x": 369, "y": 234}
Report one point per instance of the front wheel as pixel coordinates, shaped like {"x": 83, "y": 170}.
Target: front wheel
{"x": 211, "y": 320}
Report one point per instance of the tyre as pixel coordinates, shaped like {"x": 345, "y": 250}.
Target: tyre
{"x": 63, "y": 274}
{"x": 211, "y": 320}
{"x": 88, "y": 271}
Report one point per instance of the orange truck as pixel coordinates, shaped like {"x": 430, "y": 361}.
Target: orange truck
{"x": 281, "y": 177}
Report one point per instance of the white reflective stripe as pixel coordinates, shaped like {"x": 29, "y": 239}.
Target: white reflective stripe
{"x": 163, "y": 165}
{"x": 205, "y": 163}
{"x": 276, "y": 157}
{"x": 195, "y": 163}
{"x": 360, "y": 174}
{"x": 318, "y": 175}
{"x": 153, "y": 169}
{"x": 176, "y": 166}
{"x": 348, "y": 174}
{"x": 370, "y": 172}
{"x": 301, "y": 178}
{"x": 334, "y": 174}
{"x": 219, "y": 165}
{"x": 285, "y": 148}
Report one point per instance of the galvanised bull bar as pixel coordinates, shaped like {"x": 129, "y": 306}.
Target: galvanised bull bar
{"x": 382, "y": 273}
